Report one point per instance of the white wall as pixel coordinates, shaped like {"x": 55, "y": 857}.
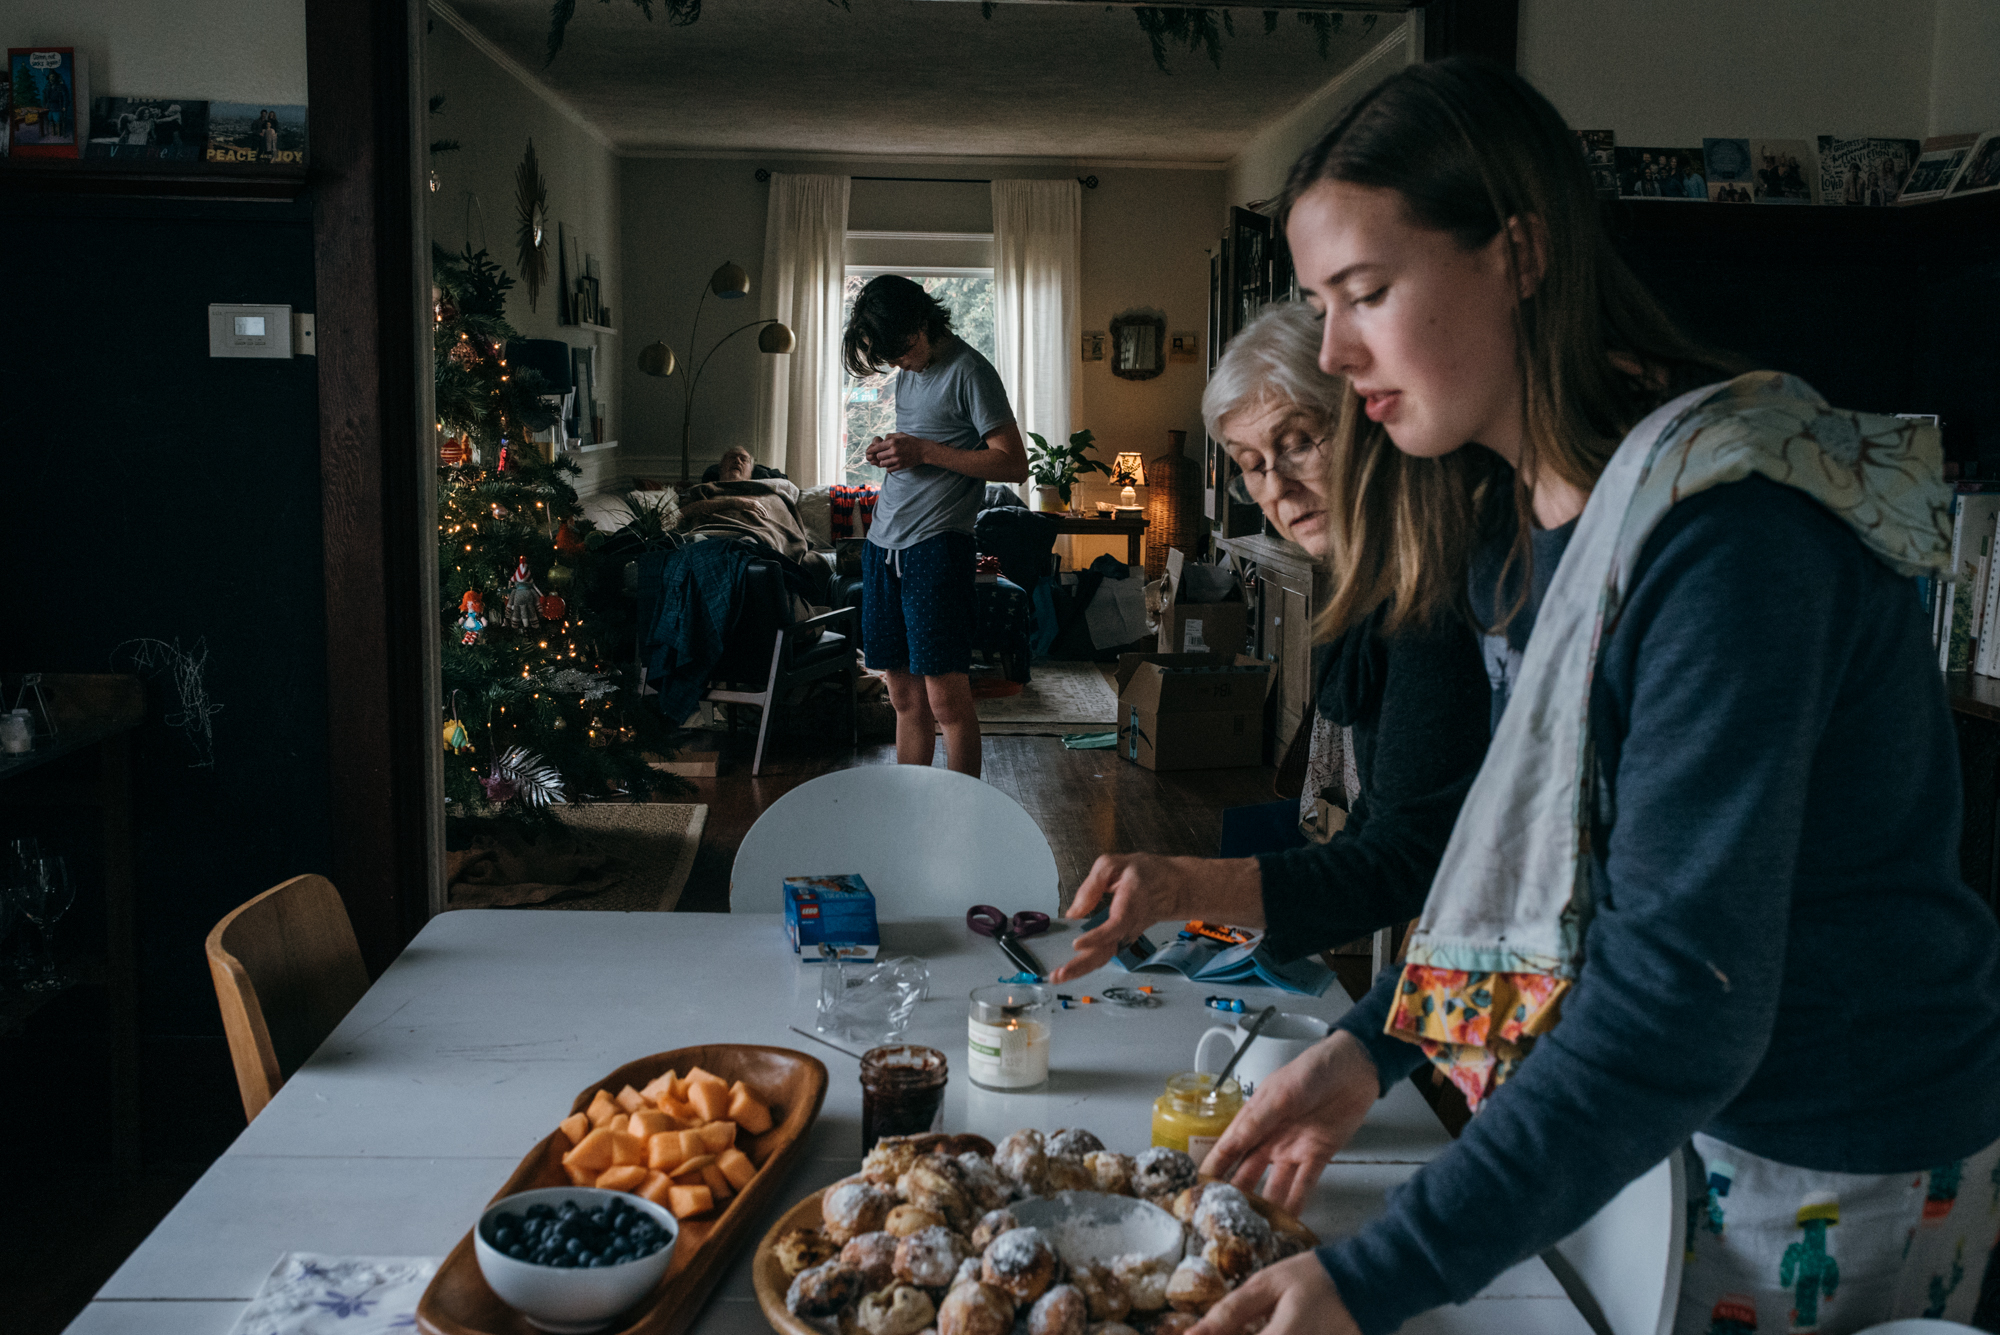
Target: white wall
{"x": 1668, "y": 72}
{"x": 1965, "y": 67}
{"x": 1145, "y": 239}
{"x": 493, "y": 114}
{"x": 1258, "y": 172}
{"x": 221, "y": 50}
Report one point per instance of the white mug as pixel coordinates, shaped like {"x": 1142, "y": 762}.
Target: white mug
{"x": 1282, "y": 1038}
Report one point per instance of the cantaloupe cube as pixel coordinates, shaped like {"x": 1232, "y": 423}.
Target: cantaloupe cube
{"x": 576, "y": 1126}
{"x": 654, "y": 1188}
{"x": 747, "y": 1112}
{"x": 736, "y": 1166}
{"x": 647, "y": 1124}
{"x": 687, "y": 1168}
{"x": 717, "y": 1136}
{"x": 685, "y": 1201}
{"x": 622, "y": 1178}
{"x": 679, "y": 1111}
{"x": 621, "y": 1122}
{"x": 710, "y": 1100}
{"x": 630, "y": 1099}
{"x": 697, "y": 1076}
{"x": 713, "y": 1178}
{"x": 664, "y": 1151}
{"x": 602, "y": 1109}
{"x": 626, "y": 1149}
{"x": 658, "y": 1085}
{"x": 595, "y": 1151}
{"x": 581, "y": 1177}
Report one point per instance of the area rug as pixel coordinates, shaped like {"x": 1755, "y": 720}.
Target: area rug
{"x": 616, "y": 856}
{"x": 1062, "y": 698}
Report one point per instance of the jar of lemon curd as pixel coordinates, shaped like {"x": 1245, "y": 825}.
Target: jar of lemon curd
{"x": 1193, "y": 1113}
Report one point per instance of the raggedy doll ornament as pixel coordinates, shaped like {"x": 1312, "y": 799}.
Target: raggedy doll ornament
{"x": 472, "y": 617}
{"x": 522, "y": 596}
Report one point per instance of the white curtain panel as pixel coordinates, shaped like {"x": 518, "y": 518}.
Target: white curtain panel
{"x": 798, "y": 404}
{"x": 1037, "y": 266}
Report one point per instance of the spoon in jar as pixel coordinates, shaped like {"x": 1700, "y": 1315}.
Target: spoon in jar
{"x": 1249, "y": 1037}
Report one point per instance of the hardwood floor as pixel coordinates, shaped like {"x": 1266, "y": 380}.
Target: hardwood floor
{"x": 1087, "y": 802}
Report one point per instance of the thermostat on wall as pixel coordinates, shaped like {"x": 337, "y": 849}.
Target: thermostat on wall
{"x": 249, "y": 331}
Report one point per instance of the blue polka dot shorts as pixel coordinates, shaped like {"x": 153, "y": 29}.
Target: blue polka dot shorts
{"x": 917, "y": 609}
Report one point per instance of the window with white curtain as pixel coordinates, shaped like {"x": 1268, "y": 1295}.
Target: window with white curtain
{"x": 954, "y": 267}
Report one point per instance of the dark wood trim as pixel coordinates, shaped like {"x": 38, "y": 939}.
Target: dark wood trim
{"x": 1488, "y": 28}
{"x": 154, "y": 180}
{"x": 363, "y": 70}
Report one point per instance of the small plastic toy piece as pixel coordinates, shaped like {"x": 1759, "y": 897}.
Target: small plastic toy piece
{"x": 1224, "y": 1003}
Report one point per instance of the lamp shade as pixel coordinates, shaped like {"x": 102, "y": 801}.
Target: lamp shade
{"x": 1128, "y": 469}
{"x": 730, "y": 281}
{"x": 776, "y": 337}
{"x": 657, "y": 359}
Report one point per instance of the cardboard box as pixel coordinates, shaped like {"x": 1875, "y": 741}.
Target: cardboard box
{"x": 1197, "y": 628}
{"x": 836, "y": 910}
{"x": 1191, "y": 711}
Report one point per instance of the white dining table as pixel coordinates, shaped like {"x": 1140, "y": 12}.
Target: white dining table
{"x": 470, "y": 1047}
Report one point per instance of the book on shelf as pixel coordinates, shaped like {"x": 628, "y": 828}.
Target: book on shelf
{"x": 1974, "y": 507}
{"x": 1985, "y": 658}
{"x": 47, "y": 93}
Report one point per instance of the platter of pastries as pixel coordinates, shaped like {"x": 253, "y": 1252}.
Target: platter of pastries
{"x": 1054, "y": 1234}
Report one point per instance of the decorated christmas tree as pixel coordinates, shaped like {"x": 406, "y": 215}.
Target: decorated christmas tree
{"x": 541, "y": 696}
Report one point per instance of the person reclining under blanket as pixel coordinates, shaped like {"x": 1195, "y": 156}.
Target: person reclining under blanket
{"x": 738, "y": 505}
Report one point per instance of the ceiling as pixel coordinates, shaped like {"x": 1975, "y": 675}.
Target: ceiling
{"x": 919, "y": 77}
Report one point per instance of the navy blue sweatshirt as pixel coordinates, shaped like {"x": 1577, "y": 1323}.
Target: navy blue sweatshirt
{"x": 1783, "y": 954}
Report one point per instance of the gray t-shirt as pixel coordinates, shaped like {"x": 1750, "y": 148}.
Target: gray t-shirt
{"x": 957, "y": 400}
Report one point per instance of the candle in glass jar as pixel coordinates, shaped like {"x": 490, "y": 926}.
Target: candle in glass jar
{"x": 1007, "y": 1036}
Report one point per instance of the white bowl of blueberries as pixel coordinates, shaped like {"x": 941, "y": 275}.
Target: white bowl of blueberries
{"x": 571, "y": 1258}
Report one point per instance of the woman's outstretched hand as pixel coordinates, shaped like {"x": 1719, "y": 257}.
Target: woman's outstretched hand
{"x": 1140, "y": 889}
{"x": 1293, "y": 1297}
{"x": 1302, "y": 1115}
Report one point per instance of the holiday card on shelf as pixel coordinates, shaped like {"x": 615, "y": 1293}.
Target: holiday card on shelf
{"x": 1867, "y": 172}
{"x": 1730, "y": 174}
{"x": 1937, "y": 167}
{"x": 159, "y": 129}
{"x": 248, "y": 132}
{"x": 1982, "y": 169}
{"x": 1661, "y": 173}
{"x": 47, "y": 92}
{"x": 1600, "y": 156}
{"x": 1782, "y": 171}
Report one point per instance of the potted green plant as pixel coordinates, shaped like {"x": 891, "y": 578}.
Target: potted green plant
{"x": 1056, "y": 468}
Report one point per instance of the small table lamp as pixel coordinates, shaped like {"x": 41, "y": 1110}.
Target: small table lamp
{"x": 1129, "y": 471}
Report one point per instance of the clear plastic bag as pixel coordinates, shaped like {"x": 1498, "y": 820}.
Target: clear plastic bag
{"x": 870, "y": 1002}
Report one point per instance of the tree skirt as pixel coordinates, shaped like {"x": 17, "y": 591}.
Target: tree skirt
{"x": 1063, "y": 698}
{"x": 620, "y": 856}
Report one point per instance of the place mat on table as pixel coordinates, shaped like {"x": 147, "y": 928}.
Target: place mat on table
{"x": 311, "y": 1294}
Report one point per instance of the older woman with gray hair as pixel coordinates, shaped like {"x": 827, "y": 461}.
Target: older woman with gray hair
{"x": 1413, "y": 699}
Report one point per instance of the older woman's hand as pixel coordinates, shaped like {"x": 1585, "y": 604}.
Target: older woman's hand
{"x": 1302, "y": 1115}
{"x": 1145, "y": 888}
{"x": 1293, "y": 1297}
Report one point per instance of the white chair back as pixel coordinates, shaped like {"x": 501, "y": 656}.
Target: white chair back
{"x": 929, "y": 842}
{"x": 1623, "y": 1268}
{"x": 1915, "y": 1325}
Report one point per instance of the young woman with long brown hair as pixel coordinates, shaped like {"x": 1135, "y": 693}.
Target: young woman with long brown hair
{"x": 1719, "y": 814}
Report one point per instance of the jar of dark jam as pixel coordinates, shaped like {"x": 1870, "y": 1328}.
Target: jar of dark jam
{"x": 902, "y": 1092}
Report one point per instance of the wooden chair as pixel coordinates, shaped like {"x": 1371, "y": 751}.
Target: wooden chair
{"x": 286, "y": 969}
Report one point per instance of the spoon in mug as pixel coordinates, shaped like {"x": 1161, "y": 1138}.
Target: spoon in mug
{"x": 1249, "y": 1037}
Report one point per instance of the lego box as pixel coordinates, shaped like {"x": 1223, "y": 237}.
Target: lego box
{"x": 832, "y": 910}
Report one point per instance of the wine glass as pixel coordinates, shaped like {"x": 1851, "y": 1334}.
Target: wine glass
{"x": 46, "y": 895}
{"x": 18, "y": 962}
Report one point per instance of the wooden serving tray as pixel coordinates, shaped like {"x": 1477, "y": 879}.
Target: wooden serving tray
{"x": 459, "y": 1302}
{"x": 772, "y": 1283}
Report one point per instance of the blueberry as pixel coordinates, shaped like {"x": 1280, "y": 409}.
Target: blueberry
{"x": 503, "y": 1236}
{"x": 540, "y": 1210}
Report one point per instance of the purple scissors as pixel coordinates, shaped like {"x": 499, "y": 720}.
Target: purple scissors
{"x": 989, "y": 921}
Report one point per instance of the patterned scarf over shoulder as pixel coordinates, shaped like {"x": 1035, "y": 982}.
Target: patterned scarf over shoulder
{"x": 1501, "y": 938}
